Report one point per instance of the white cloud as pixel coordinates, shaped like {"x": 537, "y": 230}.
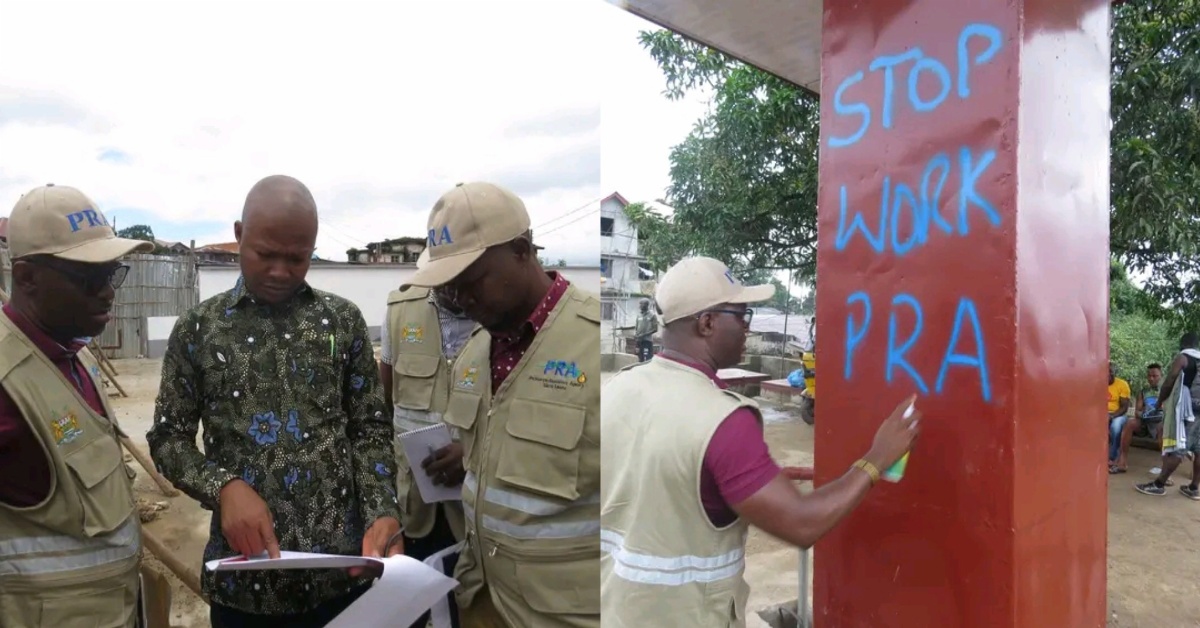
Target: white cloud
{"x": 640, "y": 125}
{"x": 378, "y": 107}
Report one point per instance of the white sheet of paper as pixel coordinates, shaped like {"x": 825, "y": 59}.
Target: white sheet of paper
{"x": 418, "y": 445}
{"x": 406, "y": 590}
{"x": 290, "y": 560}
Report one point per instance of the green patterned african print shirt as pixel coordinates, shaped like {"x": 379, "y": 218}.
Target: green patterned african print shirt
{"x": 290, "y": 402}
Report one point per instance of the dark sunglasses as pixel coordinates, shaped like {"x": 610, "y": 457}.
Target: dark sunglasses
{"x": 91, "y": 281}
{"x": 747, "y": 315}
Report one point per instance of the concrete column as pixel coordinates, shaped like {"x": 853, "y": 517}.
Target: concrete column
{"x": 964, "y": 256}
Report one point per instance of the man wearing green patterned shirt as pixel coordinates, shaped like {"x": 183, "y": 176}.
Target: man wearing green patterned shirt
{"x": 297, "y": 451}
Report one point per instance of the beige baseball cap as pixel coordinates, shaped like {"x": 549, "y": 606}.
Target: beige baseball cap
{"x": 61, "y": 221}
{"x": 464, "y": 223}
{"x": 695, "y": 284}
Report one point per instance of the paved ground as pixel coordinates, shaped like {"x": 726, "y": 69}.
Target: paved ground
{"x": 1142, "y": 530}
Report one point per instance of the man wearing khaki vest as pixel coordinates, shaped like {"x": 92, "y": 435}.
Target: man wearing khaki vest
{"x": 70, "y": 537}
{"x": 525, "y": 398}
{"x": 686, "y": 468}
{"x": 420, "y": 337}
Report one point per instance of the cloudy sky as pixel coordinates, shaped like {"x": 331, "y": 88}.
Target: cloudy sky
{"x": 167, "y": 112}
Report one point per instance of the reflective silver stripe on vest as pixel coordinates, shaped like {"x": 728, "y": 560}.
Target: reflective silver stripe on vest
{"x": 52, "y": 554}
{"x": 671, "y": 571}
{"x": 407, "y": 420}
{"x": 532, "y": 506}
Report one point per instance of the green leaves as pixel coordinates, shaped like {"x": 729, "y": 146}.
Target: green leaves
{"x": 744, "y": 181}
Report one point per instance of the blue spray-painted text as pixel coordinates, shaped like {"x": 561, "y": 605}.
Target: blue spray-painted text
{"x": 968, "y": 55}
{"x": 965, "y": 348}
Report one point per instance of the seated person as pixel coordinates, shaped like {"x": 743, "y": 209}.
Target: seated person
{"x": 1147, "y": 419}
{"x": 1118, "y": 415}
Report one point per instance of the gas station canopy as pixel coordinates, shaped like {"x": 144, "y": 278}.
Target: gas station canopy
{"x": 782, "y": 37}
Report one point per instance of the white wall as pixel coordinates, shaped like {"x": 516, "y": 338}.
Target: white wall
{"x": 624, "y": 237}
{"x": 367, "y": 286}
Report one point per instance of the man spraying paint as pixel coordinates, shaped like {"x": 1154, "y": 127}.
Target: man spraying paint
{"x": 687, "y": 470}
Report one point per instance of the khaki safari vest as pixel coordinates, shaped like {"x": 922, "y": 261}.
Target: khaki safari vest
{"x": 532, "y": 454}
{"x": 664, "y": 562}
{"x": 420, "y": 389}
{"x": 72, "y": 560}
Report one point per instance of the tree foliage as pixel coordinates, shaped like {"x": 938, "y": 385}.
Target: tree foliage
{"x": 137, "y": 232}
{"x": 744, "y": 181}
{"x": 1155, "y": 227}
{"x": 1139, "y": 333}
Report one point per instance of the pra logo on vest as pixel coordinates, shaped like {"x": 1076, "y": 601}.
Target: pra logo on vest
{"x": 469, "y": 376}
{"x": 560, "y": 374}
{"x": 65, "y": 429}
{"x": 413, "y": 334}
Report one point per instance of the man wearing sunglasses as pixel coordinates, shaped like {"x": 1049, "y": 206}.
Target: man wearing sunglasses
{"x": 687, "y": 469}
{"x": 528, "y": 415}
{"x": 70, "y": 537}
{"x": 423, "y": 330}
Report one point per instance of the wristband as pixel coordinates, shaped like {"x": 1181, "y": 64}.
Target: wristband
{"x": 869, "y": 468}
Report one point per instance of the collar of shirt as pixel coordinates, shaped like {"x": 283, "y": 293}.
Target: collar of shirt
{"x": 696, "y": 364}
{"x": 239, "y": 294}
{"x": 41, "y": 339}
{"x": 533, "y": 324}
{"x": 443, "y": 312}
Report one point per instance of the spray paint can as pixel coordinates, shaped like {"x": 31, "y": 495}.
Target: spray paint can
{"x": 895, "y": 472}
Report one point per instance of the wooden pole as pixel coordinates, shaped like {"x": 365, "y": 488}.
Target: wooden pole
{"x": 164, "y": 485}
{"x": 112, "y": 377}
{"x": 101, "y": 357}
{"x": 189, "y": 577}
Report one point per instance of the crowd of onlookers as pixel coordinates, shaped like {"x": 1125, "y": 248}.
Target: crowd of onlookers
{"x": 1164, "y": 411}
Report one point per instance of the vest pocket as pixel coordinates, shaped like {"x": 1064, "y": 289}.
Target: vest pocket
{"x": 104, "y": 489}
{"x": 416, "y": 375}
{"x": 462, "y": 410}
{"x": 560, "y": 587}
{"x": 541, "y": 451}
{"x": 101, "y": 609}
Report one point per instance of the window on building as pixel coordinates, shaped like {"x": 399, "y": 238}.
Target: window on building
{"x": 606, "y": 226}
{"x": 605, "y": 267}
{"x": 395, "y": 259}
{"x": 606, "y": 311}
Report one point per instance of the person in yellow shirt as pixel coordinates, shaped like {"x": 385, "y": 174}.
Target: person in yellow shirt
{"x": 1118, "y": 413}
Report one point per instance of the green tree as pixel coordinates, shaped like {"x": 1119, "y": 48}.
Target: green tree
{"x": 1155, "y": 228}
{"x": 137, "y": 232}
{"x": 1139, "y": 330}
{"x": 744, "y": 181}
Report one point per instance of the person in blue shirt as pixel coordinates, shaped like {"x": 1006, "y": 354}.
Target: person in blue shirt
{"x": 1147, "y": 414}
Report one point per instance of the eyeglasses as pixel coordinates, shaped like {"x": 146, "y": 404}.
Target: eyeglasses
{"x": 746, "y": 315}
{"x": 91, "y": 281}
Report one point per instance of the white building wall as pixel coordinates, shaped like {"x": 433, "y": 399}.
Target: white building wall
{"x": 624, "y": 237}
{"x": 367, "y": 286}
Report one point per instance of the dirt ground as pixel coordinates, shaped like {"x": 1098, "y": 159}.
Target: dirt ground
{"x": 1142, "y": 530}
{"x": 1141, "y": 534}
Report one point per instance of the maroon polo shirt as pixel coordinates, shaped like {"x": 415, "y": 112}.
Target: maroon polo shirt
{"x": 508, "y": 350}
{"x": 24, "y": 470}
{"x": 737, "y": 463}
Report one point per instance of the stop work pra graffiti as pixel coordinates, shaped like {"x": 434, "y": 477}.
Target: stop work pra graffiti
{"x": 943, "y": 202}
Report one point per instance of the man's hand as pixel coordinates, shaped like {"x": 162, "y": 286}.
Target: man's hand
{"x": 445, "y": 465}
{"x": 895, "y": 436}
{"x": 246, "y": 520}
{"x": 375, "y": 539}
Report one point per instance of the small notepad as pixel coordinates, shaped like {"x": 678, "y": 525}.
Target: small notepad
{"x": 419, "y": 445}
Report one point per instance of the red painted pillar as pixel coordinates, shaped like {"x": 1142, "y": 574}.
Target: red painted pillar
{"x": 964, "y": 256}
